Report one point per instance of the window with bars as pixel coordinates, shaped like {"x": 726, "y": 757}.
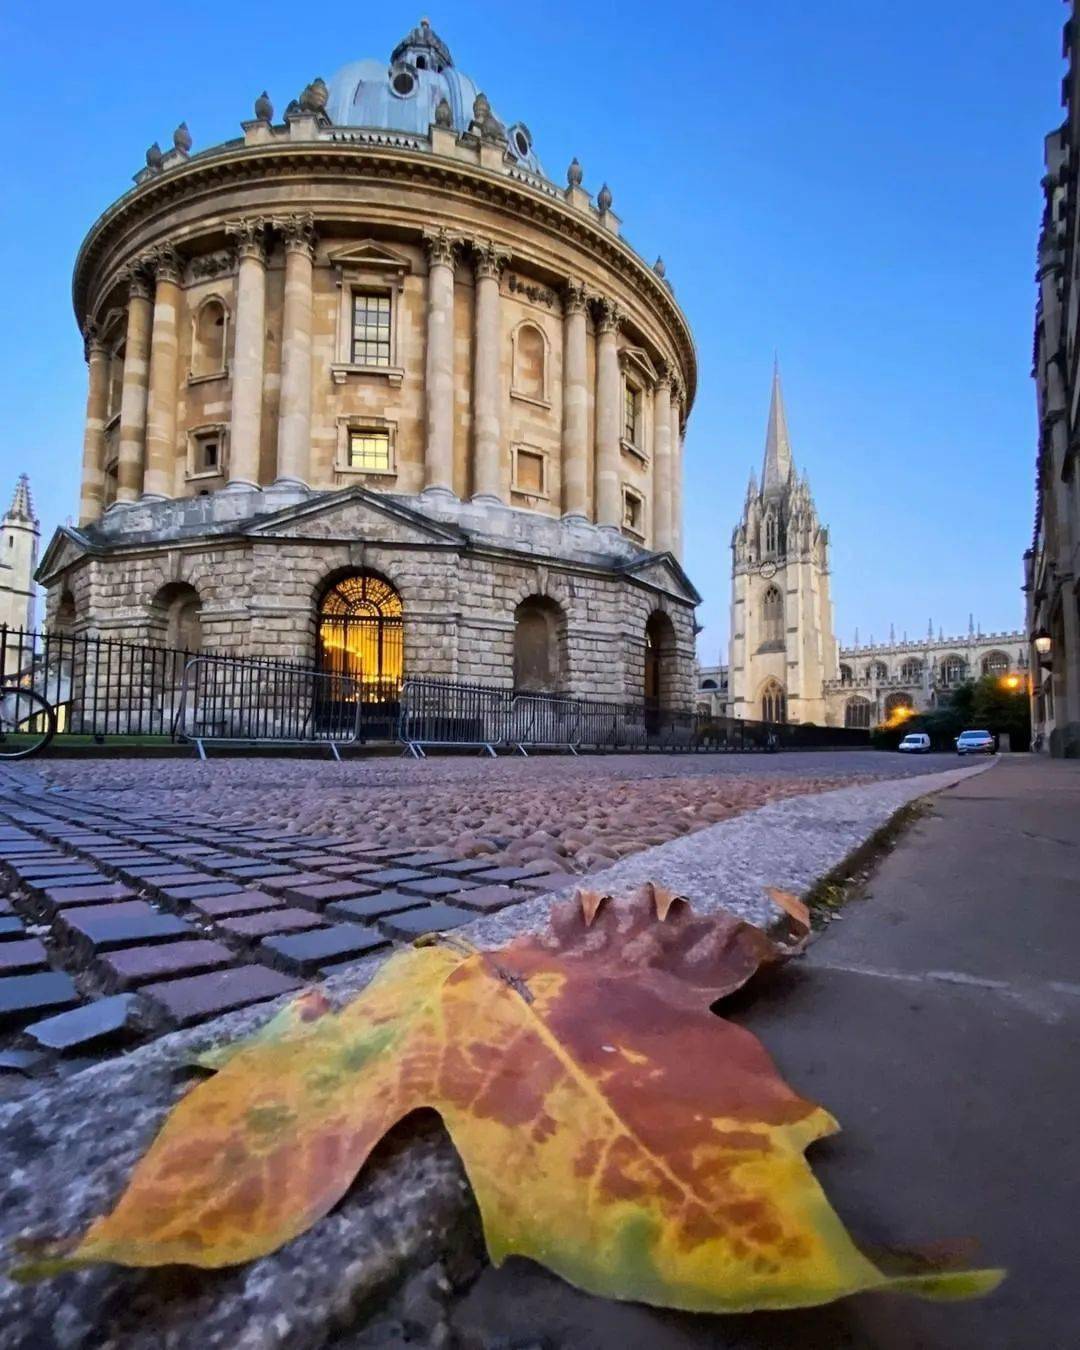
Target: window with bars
{"x": 371, "y": 329}
{"x": 631, "y": 410}
{"x": 369, "y": 450}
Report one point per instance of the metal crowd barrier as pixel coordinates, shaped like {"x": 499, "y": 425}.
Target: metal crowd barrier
{"x": 539, "y": 722}
{"x": 252, "y": 702}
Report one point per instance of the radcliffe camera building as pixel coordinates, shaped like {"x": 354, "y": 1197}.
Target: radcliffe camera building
{"x": 366, "y": 387}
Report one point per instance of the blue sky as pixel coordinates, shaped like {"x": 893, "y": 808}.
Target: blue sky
{"x": 853, "y": 185}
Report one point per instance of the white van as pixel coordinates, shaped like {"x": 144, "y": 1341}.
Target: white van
{"x": 915, "y": 743}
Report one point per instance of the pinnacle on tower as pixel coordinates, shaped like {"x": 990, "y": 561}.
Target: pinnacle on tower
{"x": 778, "y": 462}
{"x": 22, "y": 504}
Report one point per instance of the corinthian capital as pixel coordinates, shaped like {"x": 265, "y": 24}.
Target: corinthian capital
{"x": 575, "y": 298}
{"x": 137, "y": 278}
{"x": 93, "y": 345}
{"x": 608, "y": 315}
{"x": 665, "y": 373}
{"x": 166, "y": 263}
{"x": 298, "y": 233}
{"x": 488, "y": 259}
{"x": 441, "y": 246}
{"x": 248, "y": 237}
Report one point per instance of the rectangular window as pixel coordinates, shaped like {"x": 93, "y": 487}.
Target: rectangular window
{"x": 633, "y": 512}
{"x": 369, "y": 450}
{"x": 529, "y": 475}
{"x": 370, "y": 329}
{"x": 631, "y": 405}
{"x": 206, "y": 456}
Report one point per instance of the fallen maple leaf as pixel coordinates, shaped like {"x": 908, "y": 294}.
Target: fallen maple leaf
{"x": 611, "y": 1127}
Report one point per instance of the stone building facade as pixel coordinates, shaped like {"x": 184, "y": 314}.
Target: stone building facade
{"x": 375, "y": 340}
{"x": 20, "y": 534}
{"x": 1052, "y": 563}
{"x": 784, "y": 662}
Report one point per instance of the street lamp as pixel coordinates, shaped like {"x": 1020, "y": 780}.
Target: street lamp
{"x": 1042, "y": 642}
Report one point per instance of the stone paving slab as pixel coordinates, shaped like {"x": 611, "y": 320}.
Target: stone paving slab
{"x": 373, "y": 906}
{"x": 393, "y": 876}
{"x": 11, "y": 928}
{"x": 486, "y": 899}
{"x": 134, "y": 966}
{"x": 437, "y": 888}
{"x": 319, "y": 895}
{"x": 67, "y": 895}
{"x": 304, "y": 953}
{"x": 239, "y": 902}
{"x": 198, "y": 891}
{"x": 437, "y": 918}
{"x": 192, "y": 1000}
{"x": 268, "y": 923}
{"x": 24, "y": 996}
{"x": 90, "y": 933}
{"x": 22, "y": 956}
{"x": 82, "y": 1028}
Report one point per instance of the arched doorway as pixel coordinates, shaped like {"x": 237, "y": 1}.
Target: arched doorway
{"x": 539, "y": 646}
{"x": 361, "y": 633}
{"x": 659, "y": 656}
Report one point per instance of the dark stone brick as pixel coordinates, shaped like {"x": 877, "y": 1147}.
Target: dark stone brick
{"x": 135, "y": 966}
{"x": 463, "y": 867}
{"x": 59, "y": 896}
{"x": 542, "y": 882}
{"x": 10, "y": 929}
{"x": 268, "y": 923}
{"x": 19, "y": 848}
{"x": 25, "y": 955}
{"x": 502, "y": 874}
{"x": 178, "y": 877}
{"x": 433, "y": 888}
{"x": 90, "y": 932}
{"x": 411, "y": 923}
{"x": 373, "y": 906}
{"x": 185, "y": 1001}
{"x": 432, "y": 857}
{"x": 21, "y": 1061}
{"x": 303, "y": 953}
{"x": 256, "y": 871}
{"x": 198, "y": 892}
{"x": 318, "y": 895}
{"x": 119, "y": 909}
{"x": 349, "y": 869}
{"x": 66, "y": 880}
{"x": 393, "y": 876}
{"x": 366, "y": 850}
{"x": 484, "y": 899}
{"x": 292, "y": 879}
{"x": 239, "y": 902}
{"x": 58, "y": 862}
{"x": 5, "y": 906}
{"x": 25, "y": 996}
{"x": 105, "y": 1019}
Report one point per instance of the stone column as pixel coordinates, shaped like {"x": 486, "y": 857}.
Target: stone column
{"x": 439, "y": 370}
{"x": 608, "y": 452}
{"x": 662, "y": 540}
{"x": 575, "y": 447}
{"x": 676, "y": 469}
{"x": 294, "y": 419}
{"x": 161, "y": 404}
{"x": 489, "y": 262}
{"x": 131, "y": 454}
{"x": 92, "y": 494}
{"x": 249, "y": 238}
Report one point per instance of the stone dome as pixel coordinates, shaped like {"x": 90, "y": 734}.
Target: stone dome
{"x": 402, "y": 95}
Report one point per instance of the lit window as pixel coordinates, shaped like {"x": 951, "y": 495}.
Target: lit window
{"x": 369, "y": 450}
{"x": 371, "y": 329}
{"x": 631, "y": 407}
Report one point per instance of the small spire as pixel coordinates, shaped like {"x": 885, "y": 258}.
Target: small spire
{"x": 930, "y": 630}
{"x": 22, "y": 504}
{"x": 778, "y": 461}
{"x": 892, "y": 633}
{"x": 971, "y": 625}
{"x": 856, "y": 637}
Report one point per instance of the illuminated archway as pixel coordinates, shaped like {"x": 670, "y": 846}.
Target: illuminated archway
{"x": 361, "y": 630}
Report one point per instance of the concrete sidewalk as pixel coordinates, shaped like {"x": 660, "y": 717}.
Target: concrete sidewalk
{"x": 939, "y": 1020}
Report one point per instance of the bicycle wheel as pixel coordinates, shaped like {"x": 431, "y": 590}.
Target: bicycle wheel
{"x": 27, "y": 722}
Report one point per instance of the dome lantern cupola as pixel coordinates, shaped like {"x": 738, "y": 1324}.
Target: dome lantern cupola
{"x": 422, "y": 48}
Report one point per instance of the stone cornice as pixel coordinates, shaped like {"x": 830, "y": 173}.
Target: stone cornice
{"x": 236, "y": 164}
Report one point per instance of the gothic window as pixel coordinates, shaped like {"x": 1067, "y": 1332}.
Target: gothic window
{"x": 208, "y": 339}
{"x": 770, "y": 534}
{"x": 370, "y": 328}
{"x": 369, "y": 450}
{"x": 846, "y": 675}
{"x": 857, "y": 713}
{"x": 530, "y": 363}
{"x": 877, "y": 670}
{"x": 953, "y": 669}
{"x": 995, "y": 663}
{"x": 773, "y": 702}
{"x": 911, "y": 670}
{"x": 772, "y": 615}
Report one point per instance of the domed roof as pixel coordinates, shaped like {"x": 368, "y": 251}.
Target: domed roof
{"x": 403, "y": 95}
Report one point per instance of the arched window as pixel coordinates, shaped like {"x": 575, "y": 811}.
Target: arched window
{"x": 847, "y": 676}
{"x": 770, "y": 533}
{"x": 995, "y": 663}
{"x": 539, "y": 645}
{"x": 176, "y": 617}
{"x": 898, "y": 703}
{"x": 953, "y": 669}
{"x": 208, "y": 338}
{"x": 709, "y": 684}
{"x": 772, "y": 615}
{"x": 911, "y": 671}
{"x": 773, "y": 702}
{"x": 877, "y": 670}
{"x": 361, "y": 630}
{"x": 530, "y": 362}
{"x": 857, "y": 712}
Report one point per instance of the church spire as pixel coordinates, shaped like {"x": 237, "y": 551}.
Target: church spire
{"x": 777, "y": 468}
{"x": 22, "y": 504}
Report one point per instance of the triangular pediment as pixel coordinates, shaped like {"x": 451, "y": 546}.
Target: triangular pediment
{"x": 371, "y": 254}
{"x": 639, "y": 358}
{"x": 663, "y": 572}
{"x": 65, "y": 547}
{"x": 357, "y": 515}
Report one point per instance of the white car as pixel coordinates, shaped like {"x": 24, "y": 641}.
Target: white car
{"x": 915, "y": 743}
{"x": 975, "y": 743}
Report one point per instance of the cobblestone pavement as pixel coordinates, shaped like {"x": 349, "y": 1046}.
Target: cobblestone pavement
{"x": 141, "y": 895}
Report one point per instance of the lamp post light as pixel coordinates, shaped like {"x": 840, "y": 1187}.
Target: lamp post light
{"x": 1042, "y": 642}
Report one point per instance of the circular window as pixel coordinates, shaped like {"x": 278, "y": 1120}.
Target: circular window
{"x": 521, "y": 140}
{"x": 403, "y": 83}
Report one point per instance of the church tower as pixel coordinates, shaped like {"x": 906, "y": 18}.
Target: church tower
{"x": 19, "y": 540}
{"x": 782, "y": 644}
